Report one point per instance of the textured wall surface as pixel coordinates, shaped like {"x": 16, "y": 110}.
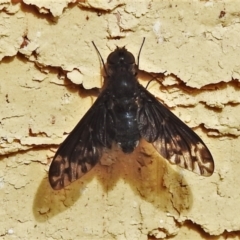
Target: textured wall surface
{"x": 50, "y": 73}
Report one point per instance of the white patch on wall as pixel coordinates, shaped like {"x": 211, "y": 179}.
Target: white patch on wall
{"x": 157, "y": 31}
{"x": 10, "y": 231}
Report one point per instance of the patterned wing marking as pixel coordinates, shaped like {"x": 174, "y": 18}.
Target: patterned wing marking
{"x": 172, "y": 138}
{"x": 82, "y": 149}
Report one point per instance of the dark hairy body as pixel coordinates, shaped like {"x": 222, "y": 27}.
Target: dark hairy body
{"x": 124, "y": 113}
{"x": 123, "y": 91}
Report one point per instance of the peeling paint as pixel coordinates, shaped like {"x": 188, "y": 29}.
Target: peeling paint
{"x": 191, "y": 50}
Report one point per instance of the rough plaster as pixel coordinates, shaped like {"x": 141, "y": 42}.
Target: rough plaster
{"x": 49, "y": 75}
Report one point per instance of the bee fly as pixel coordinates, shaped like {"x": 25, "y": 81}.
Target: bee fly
{"x": 124, "y": 113}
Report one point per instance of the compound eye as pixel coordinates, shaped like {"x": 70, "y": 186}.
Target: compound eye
{"x": 120, "y": 55}
{"x": 129, "y": 58}
{"x": 112, "y": 58}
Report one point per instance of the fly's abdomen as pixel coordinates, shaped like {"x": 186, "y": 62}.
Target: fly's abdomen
{"x": 126, "y": 127}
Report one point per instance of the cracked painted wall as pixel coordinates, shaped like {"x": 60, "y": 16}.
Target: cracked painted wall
{"x": 50, "y": 76}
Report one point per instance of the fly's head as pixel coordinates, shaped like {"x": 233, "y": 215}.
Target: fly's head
{"x": 120, "y": 60}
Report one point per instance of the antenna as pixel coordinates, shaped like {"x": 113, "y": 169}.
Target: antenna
{"x": 100, "y": 58}
{"x": 140, "y": 52}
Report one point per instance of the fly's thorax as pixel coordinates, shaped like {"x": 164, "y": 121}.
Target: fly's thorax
{"x": 115, "y": 69}
{"x": 123, "y": 85}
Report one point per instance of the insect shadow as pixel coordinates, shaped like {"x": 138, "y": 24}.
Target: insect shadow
{"x": 143, "y": 172}
{"x": 124, "y": 115}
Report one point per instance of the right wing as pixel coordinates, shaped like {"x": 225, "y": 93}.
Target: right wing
{"x": 172, "y": 138}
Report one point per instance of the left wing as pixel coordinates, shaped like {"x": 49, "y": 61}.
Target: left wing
{"x": 172, "y": 138}
{"x": 83, "y": 147}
